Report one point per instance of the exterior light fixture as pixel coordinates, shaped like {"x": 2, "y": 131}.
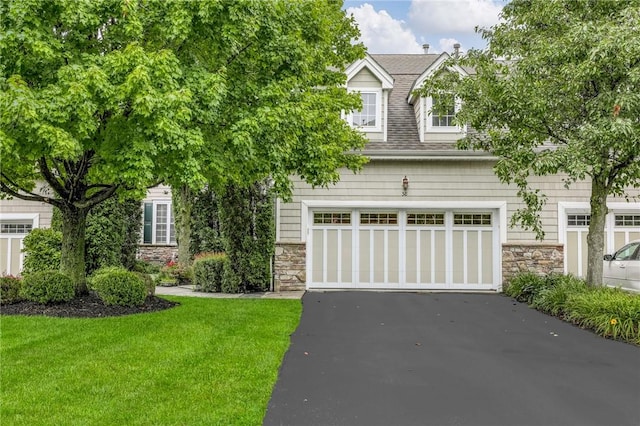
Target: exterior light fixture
{"x": 405, "y": 186}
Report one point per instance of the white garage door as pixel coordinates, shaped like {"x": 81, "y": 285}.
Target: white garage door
{"x": 403, "y": 249}
{"x": 620, "y": 228}
{"x": 12, "y": 232}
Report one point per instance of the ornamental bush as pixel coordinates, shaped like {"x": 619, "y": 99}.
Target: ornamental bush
{"x": 47, "y": 287}
{"x": 525, "y": 286}
{"x": 42, "y": 247}
{"x": 208, "y": 271}
{"x": 9, "y": 289}
{"x": 117, "y": 286}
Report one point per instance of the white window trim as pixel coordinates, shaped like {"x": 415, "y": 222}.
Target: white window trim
{"x": 379, "y": 100}
{"x": 430, "y": 128}
{"x": 154, "y": 222}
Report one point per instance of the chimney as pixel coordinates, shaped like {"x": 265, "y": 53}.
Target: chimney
{"x": 456, "y": 50}
{"x": 425, "y": 47}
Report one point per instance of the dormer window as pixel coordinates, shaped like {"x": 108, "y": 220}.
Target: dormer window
{"x": 369, "y": 118}
{"x": 441, "y": 112}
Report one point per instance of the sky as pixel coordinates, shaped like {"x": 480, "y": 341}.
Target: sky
{"x": 403, "y": 26}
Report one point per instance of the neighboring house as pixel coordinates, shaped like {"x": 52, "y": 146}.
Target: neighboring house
{"x": 420, "y": 215}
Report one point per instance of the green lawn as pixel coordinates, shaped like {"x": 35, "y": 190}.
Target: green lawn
{"x": 206, "y": 362}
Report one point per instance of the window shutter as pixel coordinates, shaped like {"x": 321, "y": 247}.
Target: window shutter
{"x": 148, "y": 223}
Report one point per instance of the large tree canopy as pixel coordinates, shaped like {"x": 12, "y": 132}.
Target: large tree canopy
{"x": 101, "y": 97}
{"x": 557, "y": 92}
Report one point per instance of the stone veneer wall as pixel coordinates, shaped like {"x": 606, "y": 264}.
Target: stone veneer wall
{"x": 157, "y": 254}
{"x": 290, "y": 266}
{"x": 540, "y": 258}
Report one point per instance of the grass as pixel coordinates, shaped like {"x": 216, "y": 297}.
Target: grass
{"x": 208, "y": 361}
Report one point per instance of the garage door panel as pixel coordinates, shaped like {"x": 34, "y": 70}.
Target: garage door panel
{"x": 15, "y": 254}
{"x": 458, "y": 257}
{"x": 318, "y": 255}
{"x": 346, "y": 268}
{"x": 472, "y": 257}
{"x": 392, "y": 257}
{"x": 378, "y": 256}
{"x": 332, "y": 255}
{"x": 4, "y": 256}
{"x": 364, "y": 270}
{"x": 440, "y": 257}
{"x": 413, "y": 251}
{"x": 487, "y": 257}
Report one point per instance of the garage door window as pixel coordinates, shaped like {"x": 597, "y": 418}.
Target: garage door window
{"x": 379, "y": 218}
{"x": 628, "y": 220}
{"x": 578, "y": 219}
{"x": 483, "y": 219}
{"x": 425, "y": 218}
{"x": 334, "y": 218}
{"x": 15, "y": 228}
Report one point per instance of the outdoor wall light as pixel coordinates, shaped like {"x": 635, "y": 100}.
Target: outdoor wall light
{"x": 405, "y": 186}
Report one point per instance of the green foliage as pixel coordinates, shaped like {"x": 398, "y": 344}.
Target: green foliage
{"x": 248, "y": 230}
{"x": 149, "y": 283}
{"x": 117, "y": 286}
{"x": 525, "y": 286}
{"x": 208, "y": 271}
{"x": 553, "y": 298}
{"x": 102, "y": 100}
{"x": 230, "y": 280}
{"x": 47, "y": 287}
{"x": 112, "y": 234}
{"x": 205, "y": 224}
{"x": 42, "y": 250}
{"x": 145, "y": 267}
{"x": 610, "y": 312}
{"x": 10, "y": 289}
{"x": 556, "y": 92}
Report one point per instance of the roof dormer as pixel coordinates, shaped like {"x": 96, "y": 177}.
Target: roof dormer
{"x": 373, "y": 83}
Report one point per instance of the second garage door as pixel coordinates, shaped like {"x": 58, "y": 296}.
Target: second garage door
{"x": 403, "y": 249}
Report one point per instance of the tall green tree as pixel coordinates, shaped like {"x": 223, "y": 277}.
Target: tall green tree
{"x": 557, "y": 91}
{"x": 100, "y": 98}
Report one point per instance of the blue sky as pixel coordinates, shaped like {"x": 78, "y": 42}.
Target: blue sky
{"x": 403, "y": 26}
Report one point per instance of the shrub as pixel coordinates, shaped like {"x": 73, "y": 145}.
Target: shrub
{"x": 117, "y": 286}
{"x": 42, "y": 248}
{"x": 553, "y": 298}
{"x": 149, "y": 284}
{"x": 47, "y": 287}
{"x": 610, "y": 312}
{"x": 525, "y": 286}
{"x": 9, "y": 289}
{"x": 145, "y": 267}
{"x": 175, "y": 273}
{"x": 208, "y": 271}
{"x": 230, "y": 280}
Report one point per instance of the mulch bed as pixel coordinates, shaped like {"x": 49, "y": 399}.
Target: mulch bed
{"x": 85, "y": 306}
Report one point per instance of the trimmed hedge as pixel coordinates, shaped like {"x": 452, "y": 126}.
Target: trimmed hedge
{"x": 10, "y": 289}
{"x": 42, "y": 247}
{"x": 47, "y": 287}
{"x": 117, "y": 286}
{"x": 208, "y": 271}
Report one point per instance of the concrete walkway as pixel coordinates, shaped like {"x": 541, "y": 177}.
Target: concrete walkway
{"x": 188, "y": 290}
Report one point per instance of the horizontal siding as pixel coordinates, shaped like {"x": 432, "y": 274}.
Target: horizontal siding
{"x": 364, "y": 78}
{"x": 160, "y": 192}
{"x": 435, "y": 181}
{"x": 17, "y": 206}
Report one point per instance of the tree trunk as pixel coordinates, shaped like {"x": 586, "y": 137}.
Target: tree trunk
{"x": 595, "y": 239}
{"x": 183, "y": 200}
{"x": 72, "y": 262}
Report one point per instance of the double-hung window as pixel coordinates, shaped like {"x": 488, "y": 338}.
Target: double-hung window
{"x": 441, "y": 113}
{"x": 369, "y": 117}
{"x": 159, "y": 227}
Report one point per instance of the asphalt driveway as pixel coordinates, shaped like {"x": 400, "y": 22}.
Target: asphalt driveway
{"x": 366, "y": 358}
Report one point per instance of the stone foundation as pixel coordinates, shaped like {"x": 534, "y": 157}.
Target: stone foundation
{"x": 156, "y": 254}
{"x": 290, "y": 266}
{"x": 539, "y": 258}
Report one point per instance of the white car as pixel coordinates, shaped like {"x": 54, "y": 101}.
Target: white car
{"x": 622, "y": 269}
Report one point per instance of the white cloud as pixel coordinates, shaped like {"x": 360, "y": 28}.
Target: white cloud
{"x": 453, "y": 16}
{"x": 383, "y": 34}
{"x": 446, "y": 45}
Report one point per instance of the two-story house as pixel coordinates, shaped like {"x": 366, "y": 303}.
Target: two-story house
{"x": 422, "y": 214}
